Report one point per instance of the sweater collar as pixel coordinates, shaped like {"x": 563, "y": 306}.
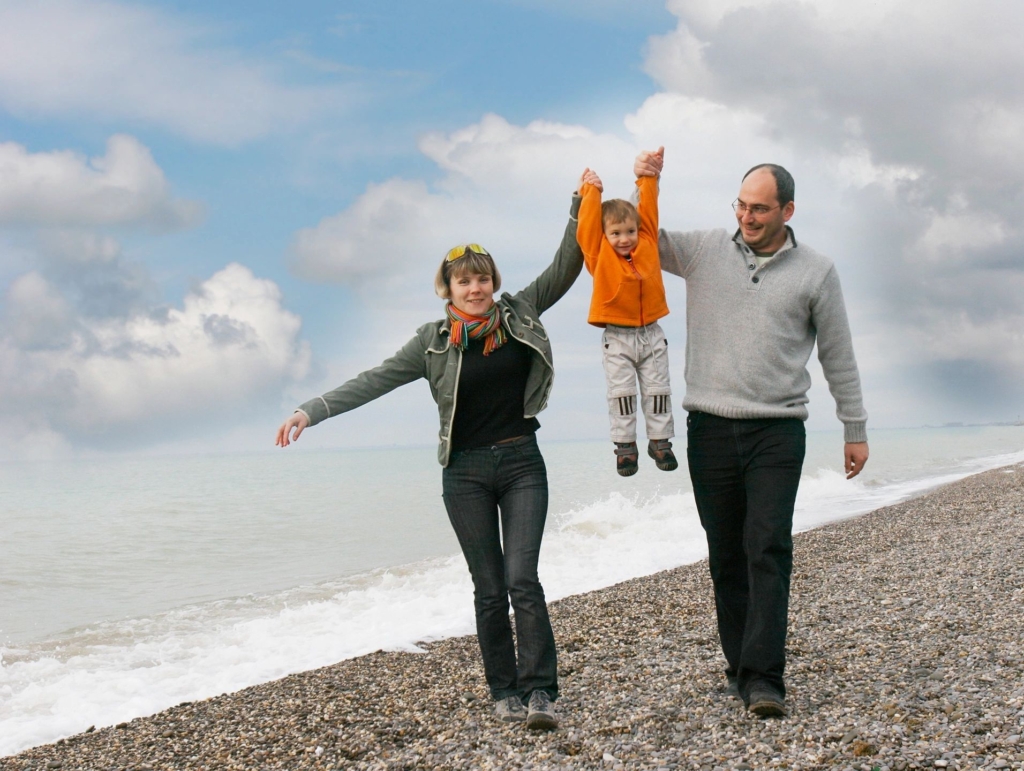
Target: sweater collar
{"x": 790, "y": 241}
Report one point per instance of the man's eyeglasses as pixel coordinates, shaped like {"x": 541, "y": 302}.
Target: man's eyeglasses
{"x": 758, "y": 209}
{"x": 460, "y": 251}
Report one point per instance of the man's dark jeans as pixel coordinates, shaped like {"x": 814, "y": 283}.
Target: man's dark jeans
{"x": 505, "y": 483}
{"x": 745, "y": 475}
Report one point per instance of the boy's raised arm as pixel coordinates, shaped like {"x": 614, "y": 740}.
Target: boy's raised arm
{"x": 647, "y": 190}
{"x": 647, "y": 206}
{"x": 589, "y": 231}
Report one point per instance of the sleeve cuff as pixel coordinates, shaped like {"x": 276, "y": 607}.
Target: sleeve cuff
{"x": 315, "y": 410}
{"x": 855, "y": 432}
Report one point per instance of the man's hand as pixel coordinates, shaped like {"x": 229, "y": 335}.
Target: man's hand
{"x": 856, "y": 455}
{"x": 590, "y": 177}
{"x": 297, "y": 422}
{"x": 649, "y": 164}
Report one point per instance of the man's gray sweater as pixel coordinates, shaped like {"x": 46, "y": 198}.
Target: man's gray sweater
{"x": 750, "y": 330}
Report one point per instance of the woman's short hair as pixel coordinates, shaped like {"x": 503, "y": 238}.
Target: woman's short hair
{"x": 470, "y": 263}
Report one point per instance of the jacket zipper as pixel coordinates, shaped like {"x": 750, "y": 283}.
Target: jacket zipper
{"x": 455, "y": 399}
{"x": 543, "y": 358}
{"x": 629, "y": 259}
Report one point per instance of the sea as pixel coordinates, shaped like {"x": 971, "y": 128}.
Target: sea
{"x": 131, "y": 584}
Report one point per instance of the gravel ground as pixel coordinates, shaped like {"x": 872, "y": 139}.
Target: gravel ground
{"x": 906, "y": 650}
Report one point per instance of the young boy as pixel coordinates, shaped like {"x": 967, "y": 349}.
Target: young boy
{"x": 620, "y": 247}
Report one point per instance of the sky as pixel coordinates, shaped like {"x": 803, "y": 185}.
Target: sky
{"x": 210, "y": 213}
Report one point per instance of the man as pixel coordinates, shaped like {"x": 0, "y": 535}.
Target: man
{"x": 756, "y": 302}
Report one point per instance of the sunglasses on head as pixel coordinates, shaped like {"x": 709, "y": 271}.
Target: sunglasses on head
{"x": 460, "y": 251}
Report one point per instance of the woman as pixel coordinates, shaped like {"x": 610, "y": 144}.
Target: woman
{"x": 490, "y": 371}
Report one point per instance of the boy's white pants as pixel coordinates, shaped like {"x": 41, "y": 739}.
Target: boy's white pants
{"x": 632, "y": 353}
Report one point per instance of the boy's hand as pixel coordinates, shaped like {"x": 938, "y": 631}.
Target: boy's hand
{"x": 649, "y": 164}
{"x": 590, "y": 177}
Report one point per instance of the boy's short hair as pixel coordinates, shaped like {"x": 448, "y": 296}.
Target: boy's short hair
{"x": 617, "y": 210}
{"x": 470, "y": 263}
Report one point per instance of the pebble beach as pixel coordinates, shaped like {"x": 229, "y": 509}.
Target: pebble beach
{"x": 906, "y": 650}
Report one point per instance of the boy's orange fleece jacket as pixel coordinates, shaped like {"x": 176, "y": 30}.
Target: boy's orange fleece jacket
{"x": 627, "y": 292}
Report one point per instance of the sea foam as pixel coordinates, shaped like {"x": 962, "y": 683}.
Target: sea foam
{"x": 115, "y": 671}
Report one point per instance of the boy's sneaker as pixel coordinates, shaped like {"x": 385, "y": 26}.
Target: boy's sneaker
{"x": 766, "y": 702}
{"x": 541, "y": 716}
{"x": 661, "y": 451}
{"x": 510, "y": 709}
{"x": 626, "y": 458}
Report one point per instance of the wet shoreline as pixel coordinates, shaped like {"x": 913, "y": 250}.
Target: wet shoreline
{"x": 906, "y": 650}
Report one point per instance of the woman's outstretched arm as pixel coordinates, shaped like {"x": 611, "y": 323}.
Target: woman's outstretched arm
{"x": 404, "y": 367}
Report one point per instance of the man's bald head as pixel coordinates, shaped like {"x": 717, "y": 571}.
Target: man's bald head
{"x": 784, "y": 185}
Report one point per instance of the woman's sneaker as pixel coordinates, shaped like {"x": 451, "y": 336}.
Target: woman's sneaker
{"x": 541, "y": 716}
{"x": 510, "y": 709}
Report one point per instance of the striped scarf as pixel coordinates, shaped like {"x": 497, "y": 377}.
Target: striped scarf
{"x": 465, "y": 326}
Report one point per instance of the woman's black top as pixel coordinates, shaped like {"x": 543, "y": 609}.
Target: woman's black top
{"x": 492, "y": 390}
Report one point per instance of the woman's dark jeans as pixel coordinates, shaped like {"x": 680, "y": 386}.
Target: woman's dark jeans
{"x": 745, "y": 475}
{"x": 505, "y": 483}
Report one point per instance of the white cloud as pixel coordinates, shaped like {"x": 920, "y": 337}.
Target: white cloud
{"x": 913, "y": 83}
{"x": 676, "y": 61}
{"x": 963, "y": 337}
{"x": 854, "y": 168}
{"x": 123, "y": 187}
{"x": 79, "y": 247}
{"x": 36, "y": 315}
{"x": 507, "y": 160}
{"x": 121, "y": 62}
{"x": 382, "y": 231}
{"x": 230, "y": 346}
{"x": 508, "y": 186}
{"x": 505, "y": 186}
{"x": 954, "y": 238}
{"x": 88, "y": 357}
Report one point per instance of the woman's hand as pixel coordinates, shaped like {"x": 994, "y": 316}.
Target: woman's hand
{"x": 297, "y": 422}
{"x": 590, "y": 177}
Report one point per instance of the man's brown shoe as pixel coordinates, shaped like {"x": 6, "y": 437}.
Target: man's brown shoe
{"x": 764, "y": 702}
